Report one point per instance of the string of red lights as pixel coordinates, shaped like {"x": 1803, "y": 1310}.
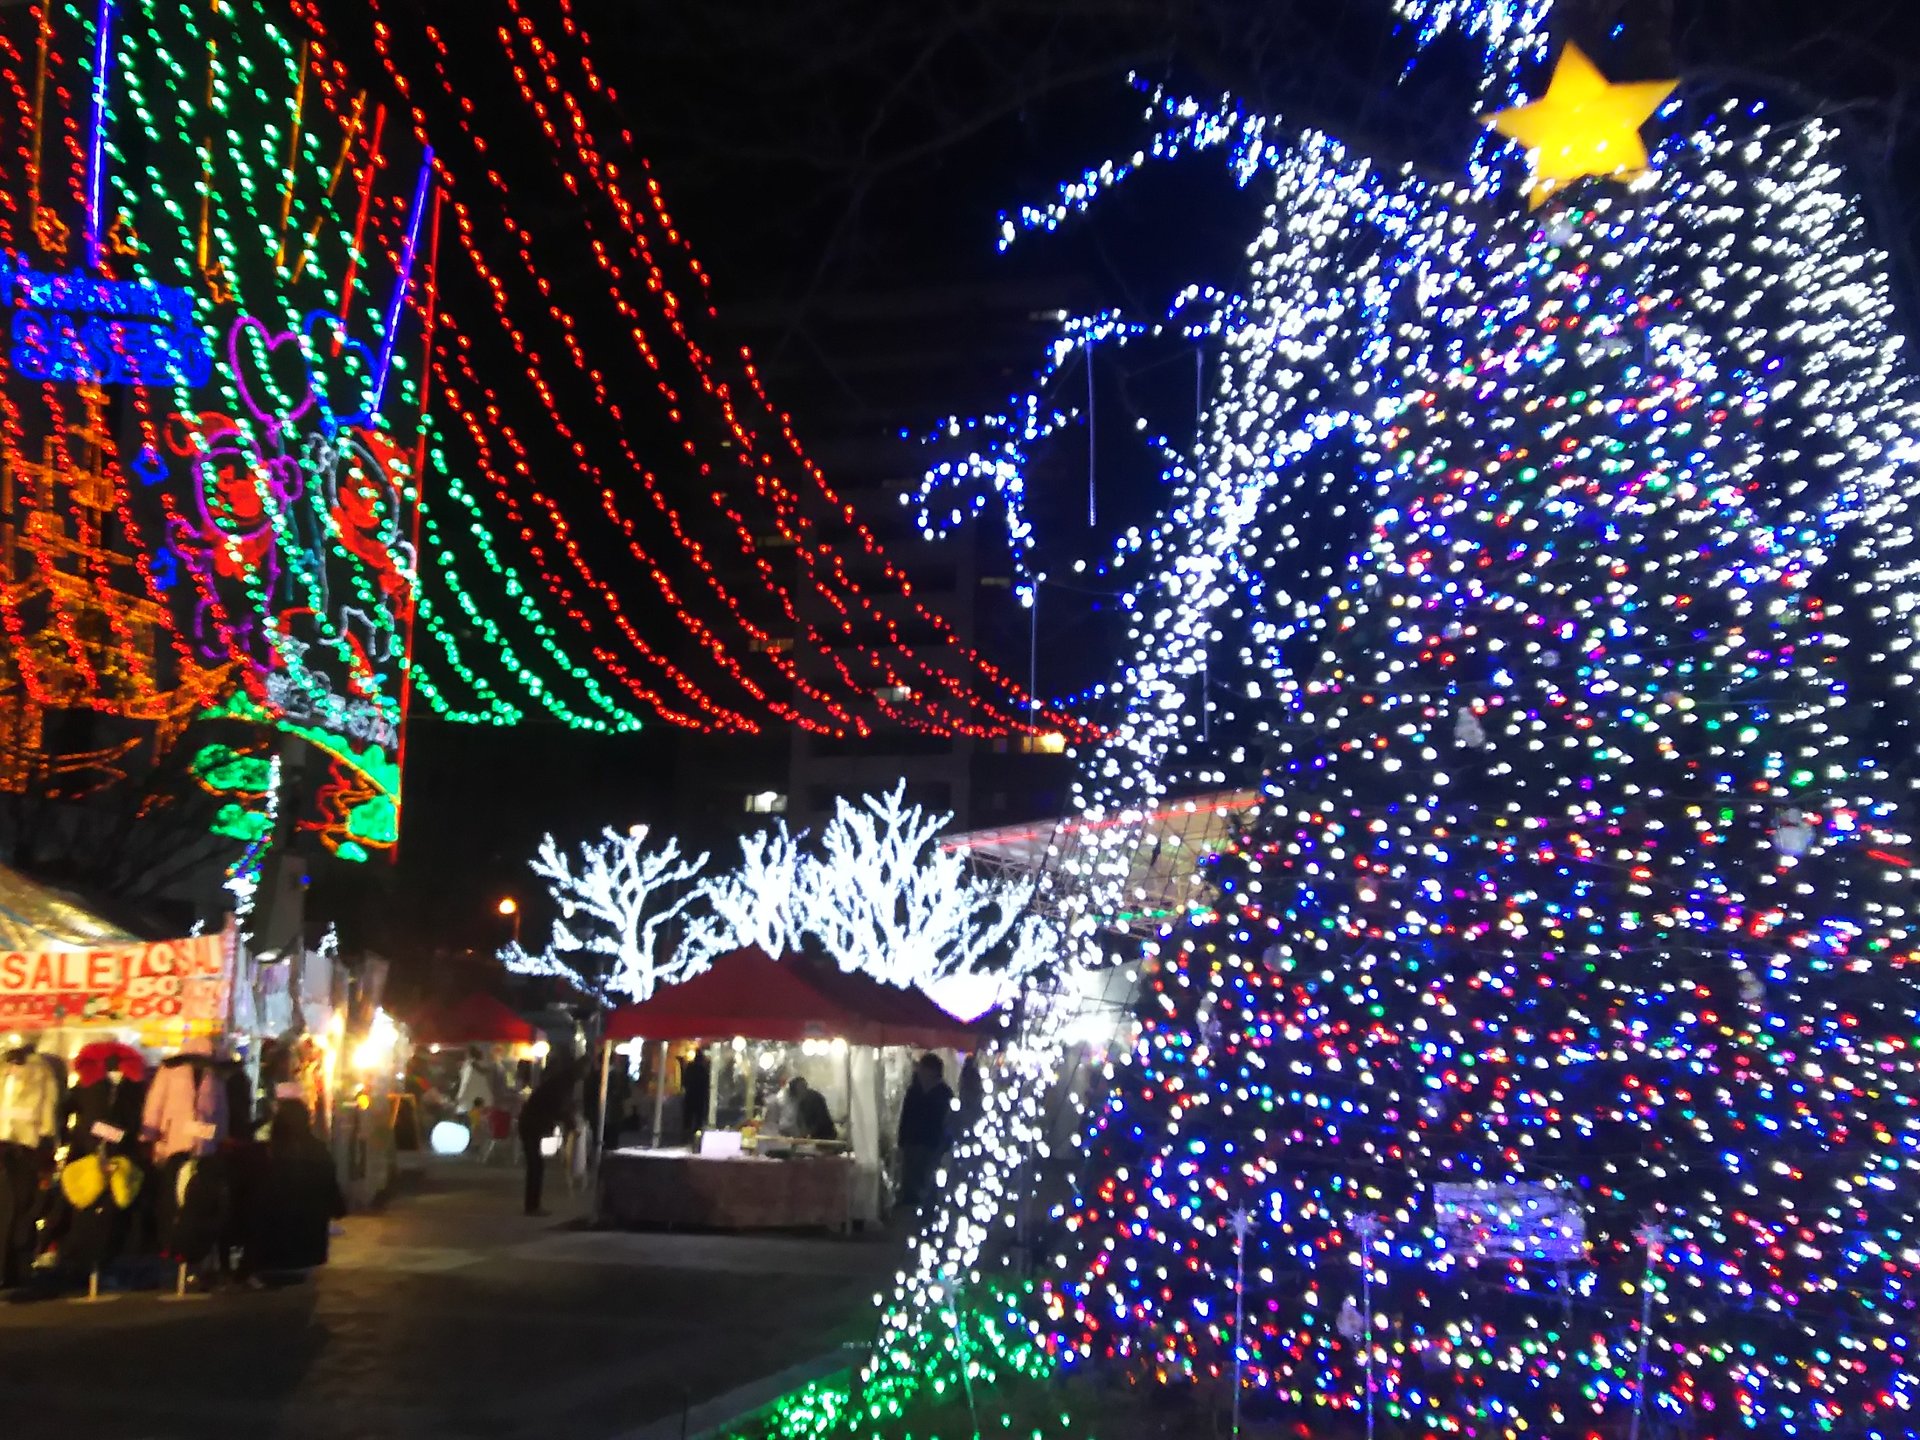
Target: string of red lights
{"x": 821, "y": 566}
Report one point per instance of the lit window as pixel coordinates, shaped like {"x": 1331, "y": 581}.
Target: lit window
{"x": 767, "y": 802}
{"x": 1051, "y": 743}
{"x": 774, "y": 645}
{"x": 892, "y": 694}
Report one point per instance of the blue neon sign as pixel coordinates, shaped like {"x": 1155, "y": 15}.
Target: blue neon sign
{"x": 76, "y": 328}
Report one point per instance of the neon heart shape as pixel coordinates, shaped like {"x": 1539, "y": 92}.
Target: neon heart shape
{"x": 253, "y": 351}
{"x": 328, "y": 346}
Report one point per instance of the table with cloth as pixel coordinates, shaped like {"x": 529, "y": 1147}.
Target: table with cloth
{"x": 731, "y": 1192}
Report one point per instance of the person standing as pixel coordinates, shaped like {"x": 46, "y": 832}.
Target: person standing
{"x": 548, "y": 1109}
{"x": 925, "y": 1113}
{"x": 696, "y": 1089}
{"x": 290, "y": 1214}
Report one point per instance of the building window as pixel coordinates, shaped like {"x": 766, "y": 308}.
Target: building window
{"x": 892, "y": 694}
{"x": 1050, "y": 743}
{"x": 774, "y": 645}
{"x": 767, "y": 802}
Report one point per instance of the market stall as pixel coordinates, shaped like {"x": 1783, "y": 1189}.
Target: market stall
{"x": 474, "y": 1053}
{"x": 762, "y": 1023}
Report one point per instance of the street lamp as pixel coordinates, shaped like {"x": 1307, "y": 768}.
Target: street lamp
{"x": 510, "y": 908}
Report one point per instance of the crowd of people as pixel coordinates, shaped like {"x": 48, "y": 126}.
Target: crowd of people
{"x": 516, "y": 1116}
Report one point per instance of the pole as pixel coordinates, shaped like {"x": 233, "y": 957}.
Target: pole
{"x": 1368, "y": 1227}
{"x": 1033, "y": 647}
{"x": 1093, "y": 470}
{"x": 600, "y": 1130}
{"x": 1241, "y": 1222}
{"x": 1655, "y": 1239}
{"x": 660, "y": 1095}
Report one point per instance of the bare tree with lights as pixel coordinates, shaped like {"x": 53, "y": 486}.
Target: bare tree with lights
{"x": 885, "y": 899}
{"x": 628, "y": 894}
{"x": 755, "y": 903}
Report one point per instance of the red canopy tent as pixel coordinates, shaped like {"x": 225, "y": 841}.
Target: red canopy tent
{"x": 900, "y": 1016}
{"x": 749, "y": 993}
{"x": 476, "y": 1020}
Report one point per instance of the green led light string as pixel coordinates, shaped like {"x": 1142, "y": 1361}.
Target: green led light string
{"x": 320, "y": 165}
{"x": 223, "y": 245}
{"x": 806, "y": 549}
{"x": 634, "y": 221}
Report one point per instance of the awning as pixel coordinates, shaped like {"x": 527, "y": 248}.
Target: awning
{"x": 476, "y": 1020}
{"x": 1162, "y": 849}
{"x": 750, "y": 994}
{"x": 32, "y": 917}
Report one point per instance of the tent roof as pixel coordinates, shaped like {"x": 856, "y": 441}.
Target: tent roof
{"x": 476, "y": 1020}
{"x": 32, "y": 917}
{"x": 903, "y": 1016}
{"x": 749, "y": 993}
{"x": 1162, "y": 849}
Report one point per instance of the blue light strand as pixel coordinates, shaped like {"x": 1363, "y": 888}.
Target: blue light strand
{"x": 390, "y": 333}
{"x": 97, "y": 141}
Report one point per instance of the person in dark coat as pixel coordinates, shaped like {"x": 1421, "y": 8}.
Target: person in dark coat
{"x": 549, "y": 1108}
{"x": 294, "y": 1198}
{"x": 811, "y": 1119}
{"x": 696, "y": 1090}
{"x": 925, "y": 1116}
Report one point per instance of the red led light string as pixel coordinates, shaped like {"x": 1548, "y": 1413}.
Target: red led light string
{"x": 563, "y": 532}
{"x": 62, "y": 622}
{"x": 561, "y": 592}
{"x": 368, "y": 179}
{"x": 11, "y": 236}
{"x": 31, "y": 113}
{"x": 464, "y": 223}
{"x": 607, "y": 497}
{"x": 889, "y": 672}
{"x": 1057, "y": 719}
{"x": 43, "y": 43}
{"x": 892, "y": 677}
{"x": 595, "y": 163}
{"x": 605, "y": 175}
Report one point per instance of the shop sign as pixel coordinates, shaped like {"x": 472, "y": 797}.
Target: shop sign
{"x": 180, "y": 982}
{"x": 79, "y": 329}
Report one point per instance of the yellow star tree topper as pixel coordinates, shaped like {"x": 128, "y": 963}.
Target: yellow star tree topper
{"x": 1584, "y": 125}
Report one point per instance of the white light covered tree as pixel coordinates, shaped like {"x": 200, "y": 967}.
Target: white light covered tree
{"x": 757, "y": 903}
{"x": 627, "y": 893}
{"x": 884, "y": 898}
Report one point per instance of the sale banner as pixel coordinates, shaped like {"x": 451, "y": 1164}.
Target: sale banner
{"x": 163, "y": 982}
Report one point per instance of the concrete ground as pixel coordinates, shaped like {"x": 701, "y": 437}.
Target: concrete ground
{"x": 446, "y": 1316}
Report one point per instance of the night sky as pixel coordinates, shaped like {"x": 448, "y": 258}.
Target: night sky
{"x": 817, "y": 150}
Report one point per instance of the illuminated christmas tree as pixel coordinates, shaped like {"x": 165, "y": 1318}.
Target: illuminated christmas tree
{"x": 1553, "y": 1028}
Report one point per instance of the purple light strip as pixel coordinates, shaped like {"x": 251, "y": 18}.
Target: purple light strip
{"x": 97, "y": 153}
{"x": 391, "y": 335}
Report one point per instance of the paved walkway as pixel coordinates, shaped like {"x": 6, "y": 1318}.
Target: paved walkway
{"x": 449, "y": 1315}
